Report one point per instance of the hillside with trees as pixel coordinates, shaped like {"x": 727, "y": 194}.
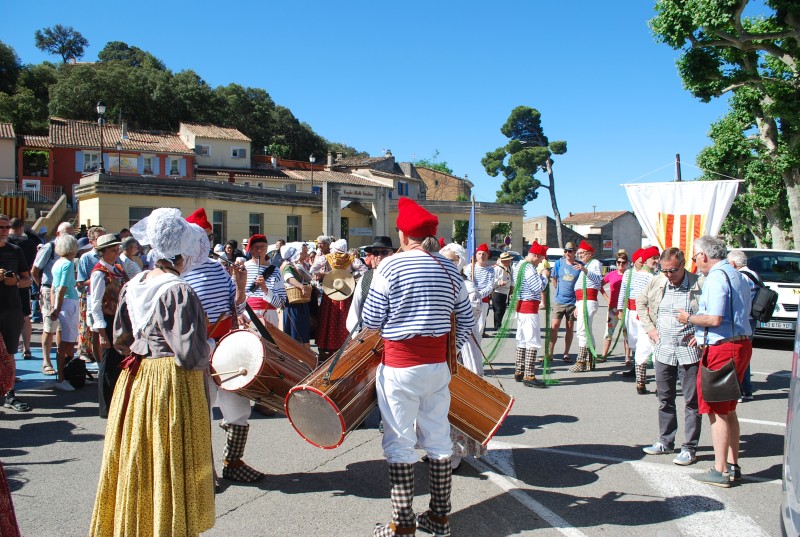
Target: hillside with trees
{"x": 140, "y": 89}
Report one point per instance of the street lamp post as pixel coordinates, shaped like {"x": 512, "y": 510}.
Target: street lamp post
{"x": 119, "y": 158}
{"x": 101, "y": 111}
{"x": 312, "y": 159}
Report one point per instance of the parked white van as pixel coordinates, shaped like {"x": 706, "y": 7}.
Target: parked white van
{"x": 780, "y": 271}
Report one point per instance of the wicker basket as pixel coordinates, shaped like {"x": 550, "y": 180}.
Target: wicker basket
{"x": 296, "y": 296}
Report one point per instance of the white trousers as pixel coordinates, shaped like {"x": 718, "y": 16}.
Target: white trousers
{"x": 480, "y": 321}
{"x": 471, "y": 355}
{"x": 414, "y": 395}
{"x": 270, "y": 316}
{"x": 235, "y": 408}
{"x": 638, "y": 338}
{"x": 580, "y": 327}
{"x": 529, "y": 333}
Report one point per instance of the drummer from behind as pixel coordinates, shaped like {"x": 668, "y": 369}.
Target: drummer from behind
{"x": 219, "y": 293}
{"x": 265, "y": 290}
{"x": 412, "y": 380}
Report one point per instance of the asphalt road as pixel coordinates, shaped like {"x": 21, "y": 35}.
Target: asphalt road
{"x": 567, "y": 461}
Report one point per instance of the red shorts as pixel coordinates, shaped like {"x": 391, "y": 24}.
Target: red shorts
{"x": 716, "y": 357}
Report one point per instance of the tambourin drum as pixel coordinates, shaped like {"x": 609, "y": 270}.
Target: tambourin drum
{"x": 269, "y": 372}
{"x": 477, "y": 407}
{"x": 290, "y": 345}
{"x": 325, "y": 412}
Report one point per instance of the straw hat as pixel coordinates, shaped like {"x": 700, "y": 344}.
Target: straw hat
{"x": 338, "y": 284}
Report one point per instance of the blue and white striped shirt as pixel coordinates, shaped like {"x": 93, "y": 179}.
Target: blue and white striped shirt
{"x": 274, "y": 284}
{"x": 482, "y": 277}
{"x": 532, "y": 283}
{"x": 639, "y": 280}
{"x": 214, "y": 287}
{"x": 593, "y": 276}
{"x": 413, "y": 295}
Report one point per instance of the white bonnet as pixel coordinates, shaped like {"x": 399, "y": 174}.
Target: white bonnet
{"x": 459, "y": 251}
{"x": 339, "y": 247}
{"x": 291, "y": 251}
{"x": 170, "y": 235}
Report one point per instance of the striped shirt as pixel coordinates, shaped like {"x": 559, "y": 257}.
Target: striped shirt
{"x": 673, "y": 343}
{"x": 215, "y": 287}
{"x": 412, "y": 295}
{"x": 532, "y": 283}
{"x": 593, "y": 276}
{"x": 483, "y": 277}
{"x": 274, "y": 283}
{"x": 638, "y": 280}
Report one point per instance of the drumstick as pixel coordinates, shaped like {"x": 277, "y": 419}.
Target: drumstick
{"x": 240, "y": 371}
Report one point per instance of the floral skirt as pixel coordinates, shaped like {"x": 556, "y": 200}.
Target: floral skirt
{"x": 157, "y": 475}
{"x": 8, "y": 521}
{"x": 332, "y": 329}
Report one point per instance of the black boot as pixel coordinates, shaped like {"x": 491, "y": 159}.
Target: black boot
{"x": 235, "y": 468}
{"x": 435, "y": 520}
{"x": 401, "y": 476}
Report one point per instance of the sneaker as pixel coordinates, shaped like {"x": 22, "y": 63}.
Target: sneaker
{"x": 685, "y": 458}
{"x": 533, "y": 382}
{"x": 713, "y": 477}
{"x": 746, "y": 397}
{"x": 734, "y": 472}
{"x": 657, "y": 449}
{"x": 64, "y": 386}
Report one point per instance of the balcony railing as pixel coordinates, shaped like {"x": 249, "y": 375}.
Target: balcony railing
{"x": 45, "y": 194}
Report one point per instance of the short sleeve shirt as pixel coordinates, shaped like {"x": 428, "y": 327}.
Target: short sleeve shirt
{"x": 614, "y": 280}
{"x": 716, "y": 300}
{"x": 45, "y": 259}
{"x": 12, "y": 260}
{"x": 565, "y": 282}
{"x": 64, "y": 276}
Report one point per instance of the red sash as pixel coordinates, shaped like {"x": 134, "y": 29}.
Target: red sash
{"x": 591, "y": 294}
{"x": 632, "y": 304}
{"x": 417, "y": 350}
{"x": 485, "y": 300}
{"x": 527, "y": 306}
{"x": 258, "y": 303}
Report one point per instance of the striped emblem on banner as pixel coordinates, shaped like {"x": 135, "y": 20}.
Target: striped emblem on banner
{"x": 14, "y": 206}
{"x": 680, "y": 231}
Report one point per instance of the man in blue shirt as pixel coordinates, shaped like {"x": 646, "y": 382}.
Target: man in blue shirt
{"x": 723, "y": 328}
{"x": 563, "y": 278}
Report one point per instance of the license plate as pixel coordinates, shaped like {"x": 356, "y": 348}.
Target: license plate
{"x": 779, "y": 325}
{"x": 796, "y": 291}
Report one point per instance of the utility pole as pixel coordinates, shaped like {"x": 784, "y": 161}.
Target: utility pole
{"x": 678, "y": 167}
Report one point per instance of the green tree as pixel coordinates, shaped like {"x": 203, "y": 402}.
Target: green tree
{"x": 132, "y": 56}
{"x": 527, "y": 152}
{"x": 345, "y": 150}
{"x": 10, "y": 67}
{"x": 433, "y": 164}
{"x": 62, "y": 41}
{"x": 755, "y": 59}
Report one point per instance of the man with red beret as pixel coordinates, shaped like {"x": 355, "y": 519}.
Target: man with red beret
{"x": 413, "y": 294}
{"x": 636, "y": 279}
{"x": 587, "y": 287}
{"x": 482, "y": 276}
{"x": 529, "y": 339}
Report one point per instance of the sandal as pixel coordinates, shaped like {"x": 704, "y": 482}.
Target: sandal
{"x": 27, "y": 355}
{"x": 567, "y": 358}
{"x": 48, "y": 370}
{"x": 16, "y": 404}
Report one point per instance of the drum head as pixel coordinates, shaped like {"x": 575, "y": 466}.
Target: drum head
{"x": 315, "y": 417}
{"x": 239, "y": 349}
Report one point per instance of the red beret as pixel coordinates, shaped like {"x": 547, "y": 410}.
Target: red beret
{"x": 255, "y": 239}
{"x": 199, "y": 217}
{"x": 482, "y": 248}
{"x": 647, "y": 253}
{"x": 415, "y": 221}
{"x": 441, "y": 242}
{"x": 538, "y": 249}
{"x": 585, "y": 246}
{"x": 636, "y": 255}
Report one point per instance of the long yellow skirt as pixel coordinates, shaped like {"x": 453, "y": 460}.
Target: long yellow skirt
{"x": 157, "y": 476}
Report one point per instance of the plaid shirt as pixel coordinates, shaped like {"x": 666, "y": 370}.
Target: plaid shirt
{"x": 673, "y": 346}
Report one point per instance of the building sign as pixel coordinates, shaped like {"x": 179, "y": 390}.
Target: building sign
{"x": 608, "y": 244}
{"x": 123, "y": 163}
{"x": 31, "y": 185}
{"x": 357, "y": 192}
{"x": 361, "y": 231}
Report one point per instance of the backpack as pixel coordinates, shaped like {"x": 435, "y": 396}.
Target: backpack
{"x": 75, "y": 372}
{"x": 764, "y": 301}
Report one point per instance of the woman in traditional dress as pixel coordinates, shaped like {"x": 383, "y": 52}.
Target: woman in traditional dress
{"x": 296, "y": 321}
{"x": 331, "y": 329}
{"x": 8, "y": 519}
{"x": 157, "y": 475}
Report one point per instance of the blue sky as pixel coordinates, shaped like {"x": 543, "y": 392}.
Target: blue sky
{"x": 416, "y": 77}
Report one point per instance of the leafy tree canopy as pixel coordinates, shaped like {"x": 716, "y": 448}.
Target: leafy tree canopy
{"x": 10, "y": 67}
{"x": 133, "y": 56}
{"x": 433, "y": 164}
{"x": 62, "y": 41}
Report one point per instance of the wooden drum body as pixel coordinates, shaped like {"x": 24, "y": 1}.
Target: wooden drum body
{"x": 477, "y": 407}
{"x": 325, "y": 412}
{"x": 269, "y": 372}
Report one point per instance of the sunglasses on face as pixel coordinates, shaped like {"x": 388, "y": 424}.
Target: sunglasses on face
{"x": 376, "y": 252}
{"x": 670, "y": 271}
{"x": 568, "y": 251}
{"x": 622, "y": 262}
{"x": 5, "y": 227}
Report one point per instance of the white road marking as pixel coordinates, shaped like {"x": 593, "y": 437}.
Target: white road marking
{"x": 762, "y": 422}
{"x": 511, "y": 487}
{"x": 772, "y": 374}
{"x": 698, "y": 513}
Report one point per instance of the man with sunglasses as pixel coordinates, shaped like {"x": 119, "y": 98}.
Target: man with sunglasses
{"x": 675, "y": 352}
{"x": 563, "y": 278}
{"x": 587, "y": 287}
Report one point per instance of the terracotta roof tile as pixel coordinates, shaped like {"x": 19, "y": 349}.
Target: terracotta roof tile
{"x": 355, "y": 162}
{"x": 7, "y": 131}
{"x": 86, "y": 134}
{"x": 213, "y": 131}
{"x": 593, "y": 218}
{"x": 333, "y": 177}
{"x": 29, "y": 140}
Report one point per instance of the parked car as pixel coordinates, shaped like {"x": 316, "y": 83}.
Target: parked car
{"x": 790, "y": 503}
{"x": 780, "y": 271}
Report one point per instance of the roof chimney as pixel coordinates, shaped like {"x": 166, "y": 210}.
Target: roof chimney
{"x": 124, "y": 131}
{"x": 388, "y": 153}
{"x": 339, "y": 155}
{"x": 275, "y": 162}
{"x": 329, "y": 164}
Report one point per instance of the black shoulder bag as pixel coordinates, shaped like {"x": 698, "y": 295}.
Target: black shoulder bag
{"x": 721, "y": 385}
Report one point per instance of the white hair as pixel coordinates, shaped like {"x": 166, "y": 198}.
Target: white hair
{"x": 737, "y": 258}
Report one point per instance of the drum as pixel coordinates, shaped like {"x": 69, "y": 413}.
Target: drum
{"x": 288, "y": 344}
{"x": 477, "y": 407}
{"x": 325, "y": 412}
{"x": 245, "y": 364}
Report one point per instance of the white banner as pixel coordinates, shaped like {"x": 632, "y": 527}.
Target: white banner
{"x": 675, "y": 214}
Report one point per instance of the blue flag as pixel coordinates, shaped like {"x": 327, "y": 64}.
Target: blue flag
{"x": 471, "y": 234}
